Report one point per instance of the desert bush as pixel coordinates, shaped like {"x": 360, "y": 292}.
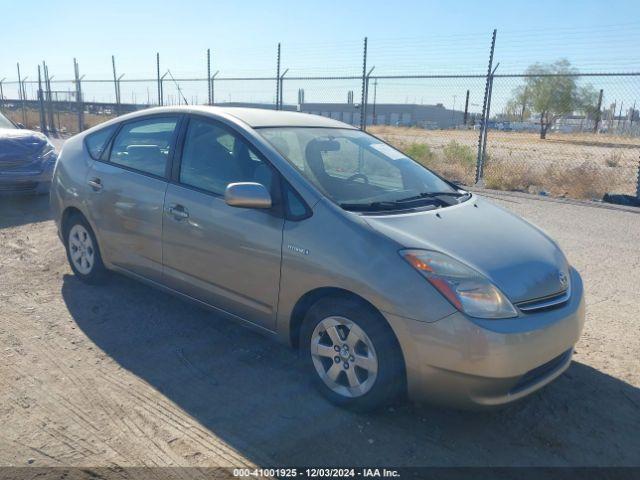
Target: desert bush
{"x": 420, "y": 152}
{"x": 459, "y": 153}
{"x": 585, "y": 181}
{"x": 613, "y": 160}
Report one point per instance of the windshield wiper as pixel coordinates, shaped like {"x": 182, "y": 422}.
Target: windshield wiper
{"x": 374, "y": 206}
{"x": 432, "y": 195}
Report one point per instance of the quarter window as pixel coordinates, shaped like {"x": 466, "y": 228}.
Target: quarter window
{"x": 213, "y": 157}
{"x": 145, "y": 145}
{"x": 96, "y": 142}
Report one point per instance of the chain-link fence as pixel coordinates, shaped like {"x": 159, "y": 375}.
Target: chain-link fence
{"x": 549, "y": 130}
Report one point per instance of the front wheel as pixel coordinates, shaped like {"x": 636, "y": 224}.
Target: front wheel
{"x": 352, "y": 354}
{"x": 82, "y": 251}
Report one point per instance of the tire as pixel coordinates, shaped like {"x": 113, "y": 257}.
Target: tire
{"x": 83, "y": 252}
{"x": 366, "y": 371}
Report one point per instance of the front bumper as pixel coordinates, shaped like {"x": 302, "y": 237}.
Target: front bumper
{"x": 26, "y": 182}
{"x": 470, "y": 363}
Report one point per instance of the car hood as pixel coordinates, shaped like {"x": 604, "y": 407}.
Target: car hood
{"x": 18, "y": 146}
{"x": 517, "y": 257}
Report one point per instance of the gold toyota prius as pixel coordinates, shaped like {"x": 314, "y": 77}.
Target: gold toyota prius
{"x": 386, "y": 277}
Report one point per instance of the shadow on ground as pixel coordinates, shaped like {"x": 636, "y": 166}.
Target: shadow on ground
{"x": 20, "y": 210}
{"x": 251, "y": 392}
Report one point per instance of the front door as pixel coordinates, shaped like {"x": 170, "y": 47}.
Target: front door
{"x": 225, "y": 256}
{"x": 127, "y": 195}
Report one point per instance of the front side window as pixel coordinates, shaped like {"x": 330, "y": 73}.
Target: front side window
{"x": 358, "y": 171}
{"x": 145, "y": 145}
{"x": 213, "y": 157}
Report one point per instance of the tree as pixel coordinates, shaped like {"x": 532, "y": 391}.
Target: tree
{"x": 550, "y": 91}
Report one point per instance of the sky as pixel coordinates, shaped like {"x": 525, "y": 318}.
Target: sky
{"x": 317, "y": 38}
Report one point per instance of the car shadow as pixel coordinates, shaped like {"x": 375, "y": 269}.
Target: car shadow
{"x": 253, "y": 394}
{"x": 21, "y": 210}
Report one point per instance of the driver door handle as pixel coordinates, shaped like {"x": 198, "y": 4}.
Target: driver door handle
{"x": 95, "y": 183}
{"x": 178, "y": 212}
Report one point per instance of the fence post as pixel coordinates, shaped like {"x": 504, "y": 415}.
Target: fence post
{"x": 281, "y": 99}
{"x": 43, "y": 120}
{"x": 466, "y": 110}
{"x": 209, "y": 101}
{"x": 21, "y": 96}
{"x": 158, "y": 77}
{"x": 363, "y": 101}
{"x": 49, "y": 98}
{"x": 79, "y": 103}
{"x": 638, "y": 182}
{"x": 484, "y": 119}
{"x": 116, "y": 84}
{"x": 213, "y": 87}
{"x": 488, "y": 114}
{"x": 278, "y": 79}
{"x": 2, "y": 94}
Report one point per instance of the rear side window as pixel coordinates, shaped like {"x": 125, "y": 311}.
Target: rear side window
{"x": 97, "y": 142}
{"x": 145, "y": 145}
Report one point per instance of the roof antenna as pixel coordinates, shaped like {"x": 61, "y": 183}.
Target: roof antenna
{"x": 178, "y": 87}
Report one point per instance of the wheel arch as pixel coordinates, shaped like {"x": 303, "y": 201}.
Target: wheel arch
{"x": 67, "y": 213}
{"x": 307, "y": 300}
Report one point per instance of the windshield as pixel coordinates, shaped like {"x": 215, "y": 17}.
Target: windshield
{"x": 5, "y": 122}
{"x": 358, "y": 171}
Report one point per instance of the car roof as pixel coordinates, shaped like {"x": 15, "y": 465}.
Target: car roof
{"x": 262, "y": 117}
{"x": 254, "y": 117}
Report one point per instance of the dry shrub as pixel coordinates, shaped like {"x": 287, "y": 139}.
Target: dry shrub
{"x": 420, "y": 152}
{"x": 585, "y": 181}
{"x": 614, "y": 159}
{"x": 456, "y": 162}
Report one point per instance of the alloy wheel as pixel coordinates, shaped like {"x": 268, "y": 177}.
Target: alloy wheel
{"x": 344, "y": 356}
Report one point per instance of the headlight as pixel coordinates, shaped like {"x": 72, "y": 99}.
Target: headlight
{"x": 47, "y": 153}
{"x": 468, "y": 290}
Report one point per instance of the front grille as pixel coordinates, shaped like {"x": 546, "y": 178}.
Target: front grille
{"x": 539, "y": 373}
{"x": 545, "y": 303}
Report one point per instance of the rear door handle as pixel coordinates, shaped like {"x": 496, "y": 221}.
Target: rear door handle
{"x": 178, "y": 212}
{"x": 95, "y": 183}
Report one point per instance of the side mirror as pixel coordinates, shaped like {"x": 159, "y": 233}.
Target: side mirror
{"x": 247, "y": 195}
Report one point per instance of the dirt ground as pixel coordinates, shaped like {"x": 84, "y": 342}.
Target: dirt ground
{"x": 123, "y": 374}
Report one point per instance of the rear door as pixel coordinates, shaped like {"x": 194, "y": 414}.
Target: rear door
{"x": 225, "y": 256}
{"x": 127, "y": 194}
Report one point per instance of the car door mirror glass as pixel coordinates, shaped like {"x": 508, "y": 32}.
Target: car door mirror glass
{"x": 247, "y": 195}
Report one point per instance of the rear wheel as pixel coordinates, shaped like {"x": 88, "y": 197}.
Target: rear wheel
{"x": 352, "y": 354}
{"x": 83, "y": 253}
